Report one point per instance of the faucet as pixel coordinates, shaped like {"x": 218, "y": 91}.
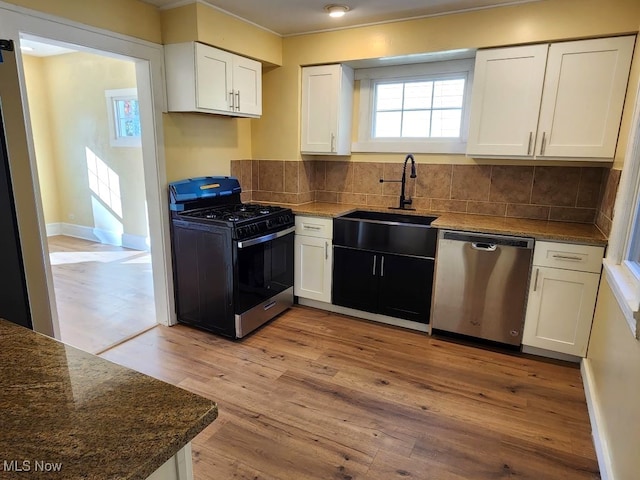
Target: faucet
{"x": 403, "y": 200}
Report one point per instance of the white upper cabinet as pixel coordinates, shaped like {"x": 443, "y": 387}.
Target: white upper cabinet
{"x": 247, "y": 86}
{"x": 583, "y": 97}
{"x": 204, "y": 79}
{"x": 213, "y": 80}
{"x": 562, "y": 100}
{"x": 327, "y": 100}
{"x": 505, "y": 100}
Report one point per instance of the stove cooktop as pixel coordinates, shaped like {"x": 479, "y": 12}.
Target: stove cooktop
{"x": 233, "y": 213}
{"x": 246, "y": 219}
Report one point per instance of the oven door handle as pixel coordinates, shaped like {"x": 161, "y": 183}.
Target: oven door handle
{"x": 266, "y": 238}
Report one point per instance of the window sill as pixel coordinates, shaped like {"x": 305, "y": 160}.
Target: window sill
{"x": 416, "y": 146}
{"x": 624, "y": 290}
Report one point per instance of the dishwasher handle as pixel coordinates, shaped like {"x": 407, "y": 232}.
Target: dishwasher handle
{"x": 485, "y": 240}
{"x": 485, "y": 247}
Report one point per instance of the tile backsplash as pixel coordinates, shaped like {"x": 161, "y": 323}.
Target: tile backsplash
{"x": 574, "y": 194}
{"x": 610, "y": 185}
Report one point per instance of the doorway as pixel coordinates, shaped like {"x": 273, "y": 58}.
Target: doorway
{"x": 86, "y": 128}
{"x": 17, "y": 23}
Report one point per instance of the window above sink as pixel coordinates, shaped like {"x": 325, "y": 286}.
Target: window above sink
{"x": 422, "y": 108}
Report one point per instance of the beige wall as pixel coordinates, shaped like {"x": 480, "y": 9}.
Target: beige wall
{"x": 128, "y": 17}
{"x": 77, "y": 114}
{"x": 203, "y": 23}
{"x": 37, "y": 92}
{"x": 201, "y": 144}
{"x": 276, "y": 134}
{"x": 614, "y": 358}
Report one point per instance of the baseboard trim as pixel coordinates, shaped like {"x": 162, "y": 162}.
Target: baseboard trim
{"x": 598, "y": 430}
{"x": 134, "y": 242}
{"x": 54, "y": 229}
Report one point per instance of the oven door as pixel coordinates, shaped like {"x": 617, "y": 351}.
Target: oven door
{"x": 264, "y": 268}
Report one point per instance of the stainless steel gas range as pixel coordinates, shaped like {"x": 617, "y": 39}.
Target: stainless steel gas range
{"x": 232, "y": 261}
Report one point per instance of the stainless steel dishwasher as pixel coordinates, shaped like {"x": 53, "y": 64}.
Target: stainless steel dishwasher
{"x": 481, "y": 284}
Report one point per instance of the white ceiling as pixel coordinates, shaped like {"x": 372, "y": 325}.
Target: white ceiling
{"x": 291, "y": 17}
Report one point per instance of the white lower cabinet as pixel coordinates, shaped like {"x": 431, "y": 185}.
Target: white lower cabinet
{"x": 562, "y": 297}
{"x": 313, "y": 258}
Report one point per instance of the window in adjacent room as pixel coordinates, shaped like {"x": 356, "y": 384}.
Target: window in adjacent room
{"x": 124, "y": 117}
{"x": 420, "y": 108}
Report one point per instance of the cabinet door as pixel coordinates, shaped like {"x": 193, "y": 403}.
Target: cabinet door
{"x": 313, "y": 258}
{"x": 214, "y": 70}
{"x": 355, "y": 280}
{"x": 405, "y": 287}
{"x": 560, "y": 310}
{"x": 584, "y": 93}
{"x": 327, "y": 100}
{"x": 505, "y": 100}
{"x": 247, "y": 86}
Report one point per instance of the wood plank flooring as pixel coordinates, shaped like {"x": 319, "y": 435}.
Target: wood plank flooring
{"x": 314, "y": 395}
{"x": 104, "y": 293}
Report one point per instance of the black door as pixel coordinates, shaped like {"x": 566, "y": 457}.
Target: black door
{"x": 355, "y": 278}
{"x": 14, "y": 304}
{"x": 405, "y": 287}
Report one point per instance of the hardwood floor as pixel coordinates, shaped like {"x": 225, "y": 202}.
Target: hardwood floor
{"x": 104, "y": 293}
{"x": 314, "y": 395}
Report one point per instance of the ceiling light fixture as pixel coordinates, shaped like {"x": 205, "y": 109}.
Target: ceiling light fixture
{"x": 336, "y": 10}
{"x": 24, "y": 48}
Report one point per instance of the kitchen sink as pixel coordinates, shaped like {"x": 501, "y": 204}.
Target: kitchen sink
{"x": 383, "y": 263}
{"x": 386, "y": 232}
{"x": 389, "y": 217}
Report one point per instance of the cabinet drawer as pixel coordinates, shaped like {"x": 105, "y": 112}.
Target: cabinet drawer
{"x": 314, "y": 226}
{"x": 583, "y": 258}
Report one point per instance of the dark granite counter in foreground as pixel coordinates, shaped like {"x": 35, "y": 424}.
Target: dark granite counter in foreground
{"x": 586, "y": 233}
{"x": 86, "y": 416}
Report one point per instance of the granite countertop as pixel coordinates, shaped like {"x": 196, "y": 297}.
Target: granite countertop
{"x": 98, "y": 420}
{"x": 539, "y": 229}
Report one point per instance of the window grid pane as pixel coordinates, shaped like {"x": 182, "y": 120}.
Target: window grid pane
{"x": 127, "y": 118}
{"x": 419, "y": 109}
{"x": 388, "y": 124}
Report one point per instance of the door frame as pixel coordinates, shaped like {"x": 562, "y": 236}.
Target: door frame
{"x": 17, "y": 22}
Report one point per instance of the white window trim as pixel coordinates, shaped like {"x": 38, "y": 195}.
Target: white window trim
{"x": 366, "y": 143}
{"x": 625, "y": 285}
{"x": 110, "y": 96}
